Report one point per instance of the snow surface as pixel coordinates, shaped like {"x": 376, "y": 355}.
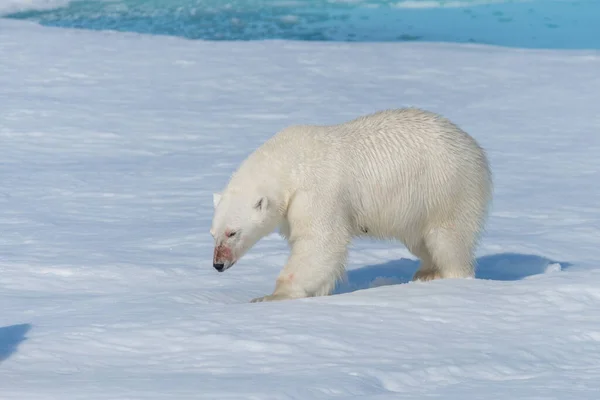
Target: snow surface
{"x": 111, "y": 147}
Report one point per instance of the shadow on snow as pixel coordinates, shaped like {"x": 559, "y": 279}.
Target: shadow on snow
{"x": 10, "y": 338}
{"x": 499, "y": 267}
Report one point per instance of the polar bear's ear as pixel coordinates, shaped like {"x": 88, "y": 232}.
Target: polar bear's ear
{"x": 261, "y": 204}
{"x": 216, "y": 199}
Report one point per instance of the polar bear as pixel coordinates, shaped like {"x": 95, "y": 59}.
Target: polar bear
{"x": 403, "y": 174}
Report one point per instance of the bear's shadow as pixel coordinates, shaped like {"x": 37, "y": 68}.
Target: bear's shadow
{"x": 10, "y": 339}
{"x": 499, "y": 267}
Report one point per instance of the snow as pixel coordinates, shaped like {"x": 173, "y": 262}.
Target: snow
{"x": 112, "y": 144}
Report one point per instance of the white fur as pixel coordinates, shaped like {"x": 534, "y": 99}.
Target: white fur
{"x": 406, "y": 174}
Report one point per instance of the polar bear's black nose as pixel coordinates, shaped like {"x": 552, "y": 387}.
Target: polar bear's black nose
{"x": 219, "y": 267}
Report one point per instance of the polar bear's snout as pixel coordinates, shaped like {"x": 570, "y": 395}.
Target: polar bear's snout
{"x": 219, "y": 267}
{"x": 222, "y": 258}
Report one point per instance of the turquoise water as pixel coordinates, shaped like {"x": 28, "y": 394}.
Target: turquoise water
{"x": 529, "y": 24}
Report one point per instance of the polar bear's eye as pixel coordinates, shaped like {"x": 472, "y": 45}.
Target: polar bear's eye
{"x": 230, "y": 233}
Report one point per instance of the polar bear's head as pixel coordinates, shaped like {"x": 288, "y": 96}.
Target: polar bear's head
{"x": 240, "y": 220}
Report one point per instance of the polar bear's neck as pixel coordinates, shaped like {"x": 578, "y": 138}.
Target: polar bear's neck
{"x": 279, "y": 166}
{"x": 264, "y": 173}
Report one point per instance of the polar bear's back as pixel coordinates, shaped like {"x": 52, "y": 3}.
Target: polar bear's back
{"x": 408, "y": 167}
{"x": 411, "y": 139}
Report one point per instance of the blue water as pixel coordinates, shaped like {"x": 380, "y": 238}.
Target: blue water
{"x": 563, "y": 24}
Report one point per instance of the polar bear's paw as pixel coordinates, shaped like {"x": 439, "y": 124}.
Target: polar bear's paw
{"x": 271, "y": 297}
{"x": 426, "y": 275}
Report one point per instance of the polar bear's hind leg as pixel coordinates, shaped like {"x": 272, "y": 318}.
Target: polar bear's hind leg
{"x": 427, "y": 270}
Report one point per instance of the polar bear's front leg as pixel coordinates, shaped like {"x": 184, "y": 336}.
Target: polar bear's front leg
{"x": 313, "y": 268}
